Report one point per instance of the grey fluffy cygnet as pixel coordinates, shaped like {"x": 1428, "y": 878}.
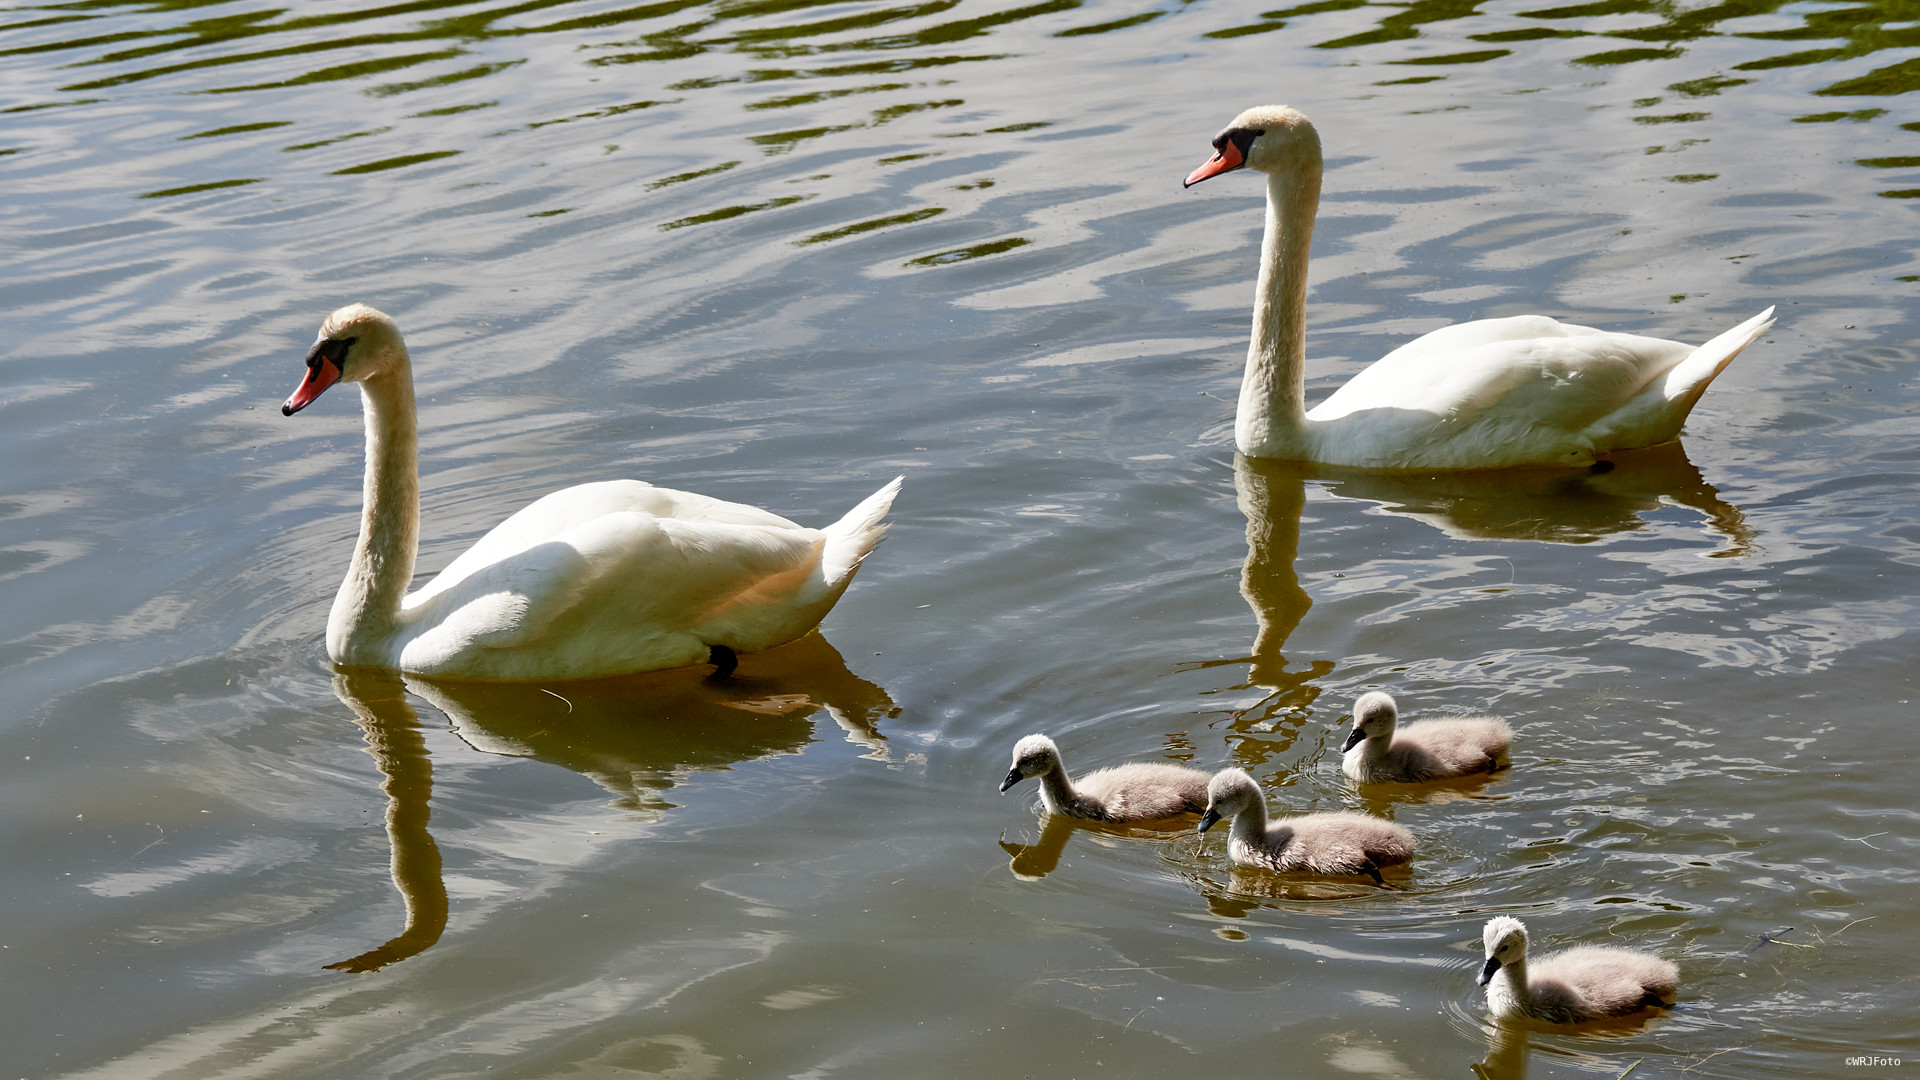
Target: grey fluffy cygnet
{"x": 1586, "y": 982}
{"x": 1423, "y": 750}
{"x": 1340, "y": 842}
{"x": 1137, "y": 791}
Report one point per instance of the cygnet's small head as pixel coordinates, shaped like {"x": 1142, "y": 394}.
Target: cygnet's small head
{"x": 1033, "y": 756}
{"x": 1228, "y": 793}
{"x": 1374, "y": 715}
{"x": 1268, "y": 139}
{"x": 1505, "y": 938}
{"x": 355, "y": 344}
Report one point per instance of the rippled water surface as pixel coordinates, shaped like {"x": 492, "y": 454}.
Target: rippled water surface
{"x": 781, "y": 251}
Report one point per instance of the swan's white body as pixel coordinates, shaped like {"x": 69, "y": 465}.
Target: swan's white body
{"x": 600, "y": 579}
{"x": 1525, "y": 390}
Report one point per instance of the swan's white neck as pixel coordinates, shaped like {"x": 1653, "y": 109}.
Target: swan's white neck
{"x": 1271, "y": 420}
{"x": 366, "y": 612}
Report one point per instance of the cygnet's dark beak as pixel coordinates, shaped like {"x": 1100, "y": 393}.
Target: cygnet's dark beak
{"x": 1354, "y": 738}
{"x": 1207, "y": 819}
{"x": 1486, "y": 971}
{"x": 1014, "y": 776}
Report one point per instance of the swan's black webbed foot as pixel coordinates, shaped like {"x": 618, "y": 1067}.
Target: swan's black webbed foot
{"x": 1600, "y": 468}
{"x": 722, "y": 659}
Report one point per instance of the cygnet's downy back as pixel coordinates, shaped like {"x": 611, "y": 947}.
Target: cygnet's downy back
{"x": 1137, "y": 791}
{"x": 1376, "y": 753}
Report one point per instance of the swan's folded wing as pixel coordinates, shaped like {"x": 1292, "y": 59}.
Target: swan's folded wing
{"x": 1563, "y": 381}
{"x": 559, "y": 513}
{"x": 1458, "y": 337}
{"x": 621, "y": 573}
{"x": 691, "y": 506}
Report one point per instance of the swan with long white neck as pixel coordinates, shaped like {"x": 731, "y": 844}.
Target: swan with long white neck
{"x": 599, "y": 579}
{"x": 1525, "y": 390}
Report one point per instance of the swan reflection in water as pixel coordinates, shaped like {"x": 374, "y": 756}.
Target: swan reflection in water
{"x": 1546, "y": 505}
{"x": 399, "y": 748}
{"x": 1551, "y": 505}
{"x": 636, "y": 736}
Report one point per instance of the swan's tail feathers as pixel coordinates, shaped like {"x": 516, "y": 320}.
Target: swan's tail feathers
{"x": 1689, "y": 379}
{"x": 853, "y": 537}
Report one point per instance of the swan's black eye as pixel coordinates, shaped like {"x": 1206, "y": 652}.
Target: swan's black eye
{"x": 333, "y": 350}
{"x": 1241, "y": 138}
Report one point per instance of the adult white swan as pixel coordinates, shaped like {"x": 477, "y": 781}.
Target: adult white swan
{"x": 1525, "y": 390}
{"x": 599, "y": 579}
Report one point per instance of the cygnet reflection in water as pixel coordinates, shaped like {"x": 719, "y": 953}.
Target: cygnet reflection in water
{"x": 1248, "y": 889}
{"x": 1031, "y": 862}
{"x": 1506, "y": 1053}
{"x": 1509, "y": 1046}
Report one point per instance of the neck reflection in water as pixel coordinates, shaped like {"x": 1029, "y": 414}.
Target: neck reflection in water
{"x": 392, "y": 729}
{"x": 636, "y": 736}
{"x": 1272, "y": 497}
